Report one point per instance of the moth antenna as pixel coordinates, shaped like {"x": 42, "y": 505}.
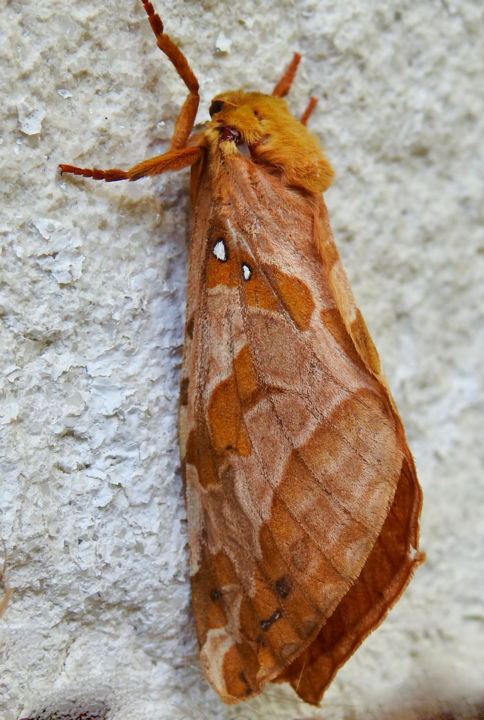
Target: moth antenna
{"x": 309, "y": 109}
{"x": 284, "y": 84}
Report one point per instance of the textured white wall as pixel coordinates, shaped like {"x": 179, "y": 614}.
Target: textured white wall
{"x": 91, "y": 332}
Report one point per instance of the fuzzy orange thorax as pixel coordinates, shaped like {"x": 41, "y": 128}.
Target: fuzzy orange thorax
{"x": 273, "y": 136}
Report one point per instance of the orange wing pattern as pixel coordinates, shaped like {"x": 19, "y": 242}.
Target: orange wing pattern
{"x": 302, "y": 496}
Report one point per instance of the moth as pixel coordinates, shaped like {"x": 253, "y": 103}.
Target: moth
{"x": 301, "y": 493}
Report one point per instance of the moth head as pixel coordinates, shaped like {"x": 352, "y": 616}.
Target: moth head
{"x": 240, "y": 113}
{"x": 262, "y": 128}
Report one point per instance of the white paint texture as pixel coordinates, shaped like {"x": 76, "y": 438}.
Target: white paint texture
{"x": 91, "y": 329}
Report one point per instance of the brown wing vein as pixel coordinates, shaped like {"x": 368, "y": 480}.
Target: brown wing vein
{"x": 267, "y": 212}
{"x": 269, "y": 394}
{"x": 199, "y": 393}
{"x": 316, "y": 415}
{"x": 198, "y": 407}
{"x": 263, "y": 574}
{"x": 198, "y": 402}
{"x": 274, "y": 487}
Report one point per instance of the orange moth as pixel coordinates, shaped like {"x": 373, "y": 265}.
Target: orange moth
{"x": 302, "y": 497}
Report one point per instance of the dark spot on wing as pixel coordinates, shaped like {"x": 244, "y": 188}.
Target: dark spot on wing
{"x": 283, "y": 586}
{"x": 266, "y": 624}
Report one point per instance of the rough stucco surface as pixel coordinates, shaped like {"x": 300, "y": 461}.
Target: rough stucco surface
{"x": 91, "y": 305}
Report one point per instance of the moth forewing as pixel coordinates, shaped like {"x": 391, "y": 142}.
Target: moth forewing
{"x": 302, "y": 496}
{"x": 292, "y": 439}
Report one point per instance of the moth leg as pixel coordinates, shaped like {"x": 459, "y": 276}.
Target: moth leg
{"x": 284, "y": 84}
{"x": 171, "y": 160}
{"x": 186, "y": 117}
{"x": 309, "y": 109}
{"x": 178, "y": 156}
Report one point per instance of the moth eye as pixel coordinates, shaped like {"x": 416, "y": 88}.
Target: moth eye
{"x": 216, "y": 107}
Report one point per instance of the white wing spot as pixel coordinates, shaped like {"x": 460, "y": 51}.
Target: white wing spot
{"x": 219, "y": 250}
{"x": 246, "y": 271}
